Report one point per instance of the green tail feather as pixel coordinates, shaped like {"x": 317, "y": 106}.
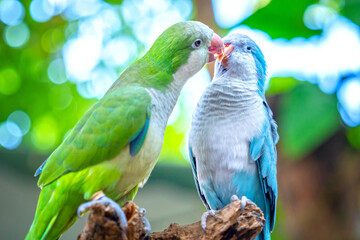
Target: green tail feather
{"x": 55, "y": 213}
{"x": 59, "y": 200}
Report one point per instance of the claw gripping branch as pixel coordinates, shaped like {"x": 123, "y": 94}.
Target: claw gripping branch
{"x": 228, "y": 223}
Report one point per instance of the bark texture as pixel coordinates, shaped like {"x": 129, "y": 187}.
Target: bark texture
{"x": 228, "y": 223}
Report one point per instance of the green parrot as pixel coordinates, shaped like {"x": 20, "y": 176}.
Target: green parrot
{"x": 112, "y": 150}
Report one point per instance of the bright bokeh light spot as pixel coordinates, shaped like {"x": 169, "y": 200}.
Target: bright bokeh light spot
{"x": 41, "y": 10}
{"x": 84, "y": 88}
{"x": 10, "y": 135}
{"x": 346, "y": 118}
{"x": 56, "y": 71}
{"x": 82, "y": 8}
{"x": 45, "y": 134}
{"x": 81, "y": 55}
{"x": 144, "y": 32}
{"x": 349, "y": 95}
{"x": 17, "y": 35}
{"x": 349, "y": 98}
{"x": 111, "y": 22}
{"x": 14, "y": 129}
{"x": 71, "y": 29}
{"x": 21, "y": 119}
{"x": 12, "y": 12}
{"x": 150, "y": 18}
{"x": 147, "y": 31}
{"x": 101, "y": 25}
{"x": 59, "y": 5}
{"x": 316, "y": 16}
{"x": 9, "y": 81}
{"x": 118, "y": 51}
{"x": 130, "y": 11}
{"x": 100, "y": 81}
{"x": 184, "y": 8}
{"x": 229, "y": 13}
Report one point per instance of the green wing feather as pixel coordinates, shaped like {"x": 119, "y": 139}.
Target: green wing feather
{"x": 101, "y": 133}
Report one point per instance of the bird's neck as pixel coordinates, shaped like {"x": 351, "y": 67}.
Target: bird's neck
{"x": 228, "y": 97}
{"x": 164, "y": 101}
{"x": 147, "y": 74}
{"x": 239, "y": 83}
{"x": 243, "y": 76}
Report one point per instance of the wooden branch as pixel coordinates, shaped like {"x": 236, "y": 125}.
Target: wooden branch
{"x": 228, "y": 223}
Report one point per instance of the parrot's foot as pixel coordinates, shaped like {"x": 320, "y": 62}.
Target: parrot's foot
{"x": 107, "y": 202}
{"x": 234, "y": 198}
{"x": 205, "y": 216}
{"x": 244, "y": 200}
{"x": 147, "y": 226}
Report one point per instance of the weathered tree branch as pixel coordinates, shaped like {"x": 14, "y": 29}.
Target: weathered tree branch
{"x": 228, "y": 223}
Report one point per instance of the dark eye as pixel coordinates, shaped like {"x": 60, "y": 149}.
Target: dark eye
{"x": 197, "y": 43}
{"x": 248, "y": 48}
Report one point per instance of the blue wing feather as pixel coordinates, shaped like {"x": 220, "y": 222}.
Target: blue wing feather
{"x": 138, "y": 139}
{"x": 39, "y": 170}
{"x": 193, "y": 166}
{"x": 263, "y": 151}
{"x": 256, "y": 147}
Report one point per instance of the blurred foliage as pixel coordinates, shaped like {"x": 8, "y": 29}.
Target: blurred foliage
{"x": 353, "y": 135}
{"x": 351, "y": 10}
{"x": 282, "y": 19}
{"x": 281, "y": 85}
{"x": 53, "y": 109}
{"x": 307, "y": 118}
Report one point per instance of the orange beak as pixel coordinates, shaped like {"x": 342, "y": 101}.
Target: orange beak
{"x": 216, "y": 47}
{"x": 223, "y": 58}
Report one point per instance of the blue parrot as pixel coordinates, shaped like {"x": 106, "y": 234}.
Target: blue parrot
{"x": 233, "y": 135}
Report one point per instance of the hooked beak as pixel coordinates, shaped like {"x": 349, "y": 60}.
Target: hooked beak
{"x": 216, "y": 47}
{"x": 224, "y": 57}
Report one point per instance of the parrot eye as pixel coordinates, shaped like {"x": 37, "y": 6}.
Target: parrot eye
{"x": 197, "y": 43}
{"x": 248, "y": 48}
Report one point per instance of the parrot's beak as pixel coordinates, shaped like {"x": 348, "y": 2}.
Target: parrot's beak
{"x": 224, "y": 57}
{"x": 216, "y": 47}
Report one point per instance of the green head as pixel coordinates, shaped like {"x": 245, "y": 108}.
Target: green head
{"x": 185, "y": 40}
{"x": 179, "y": 52}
